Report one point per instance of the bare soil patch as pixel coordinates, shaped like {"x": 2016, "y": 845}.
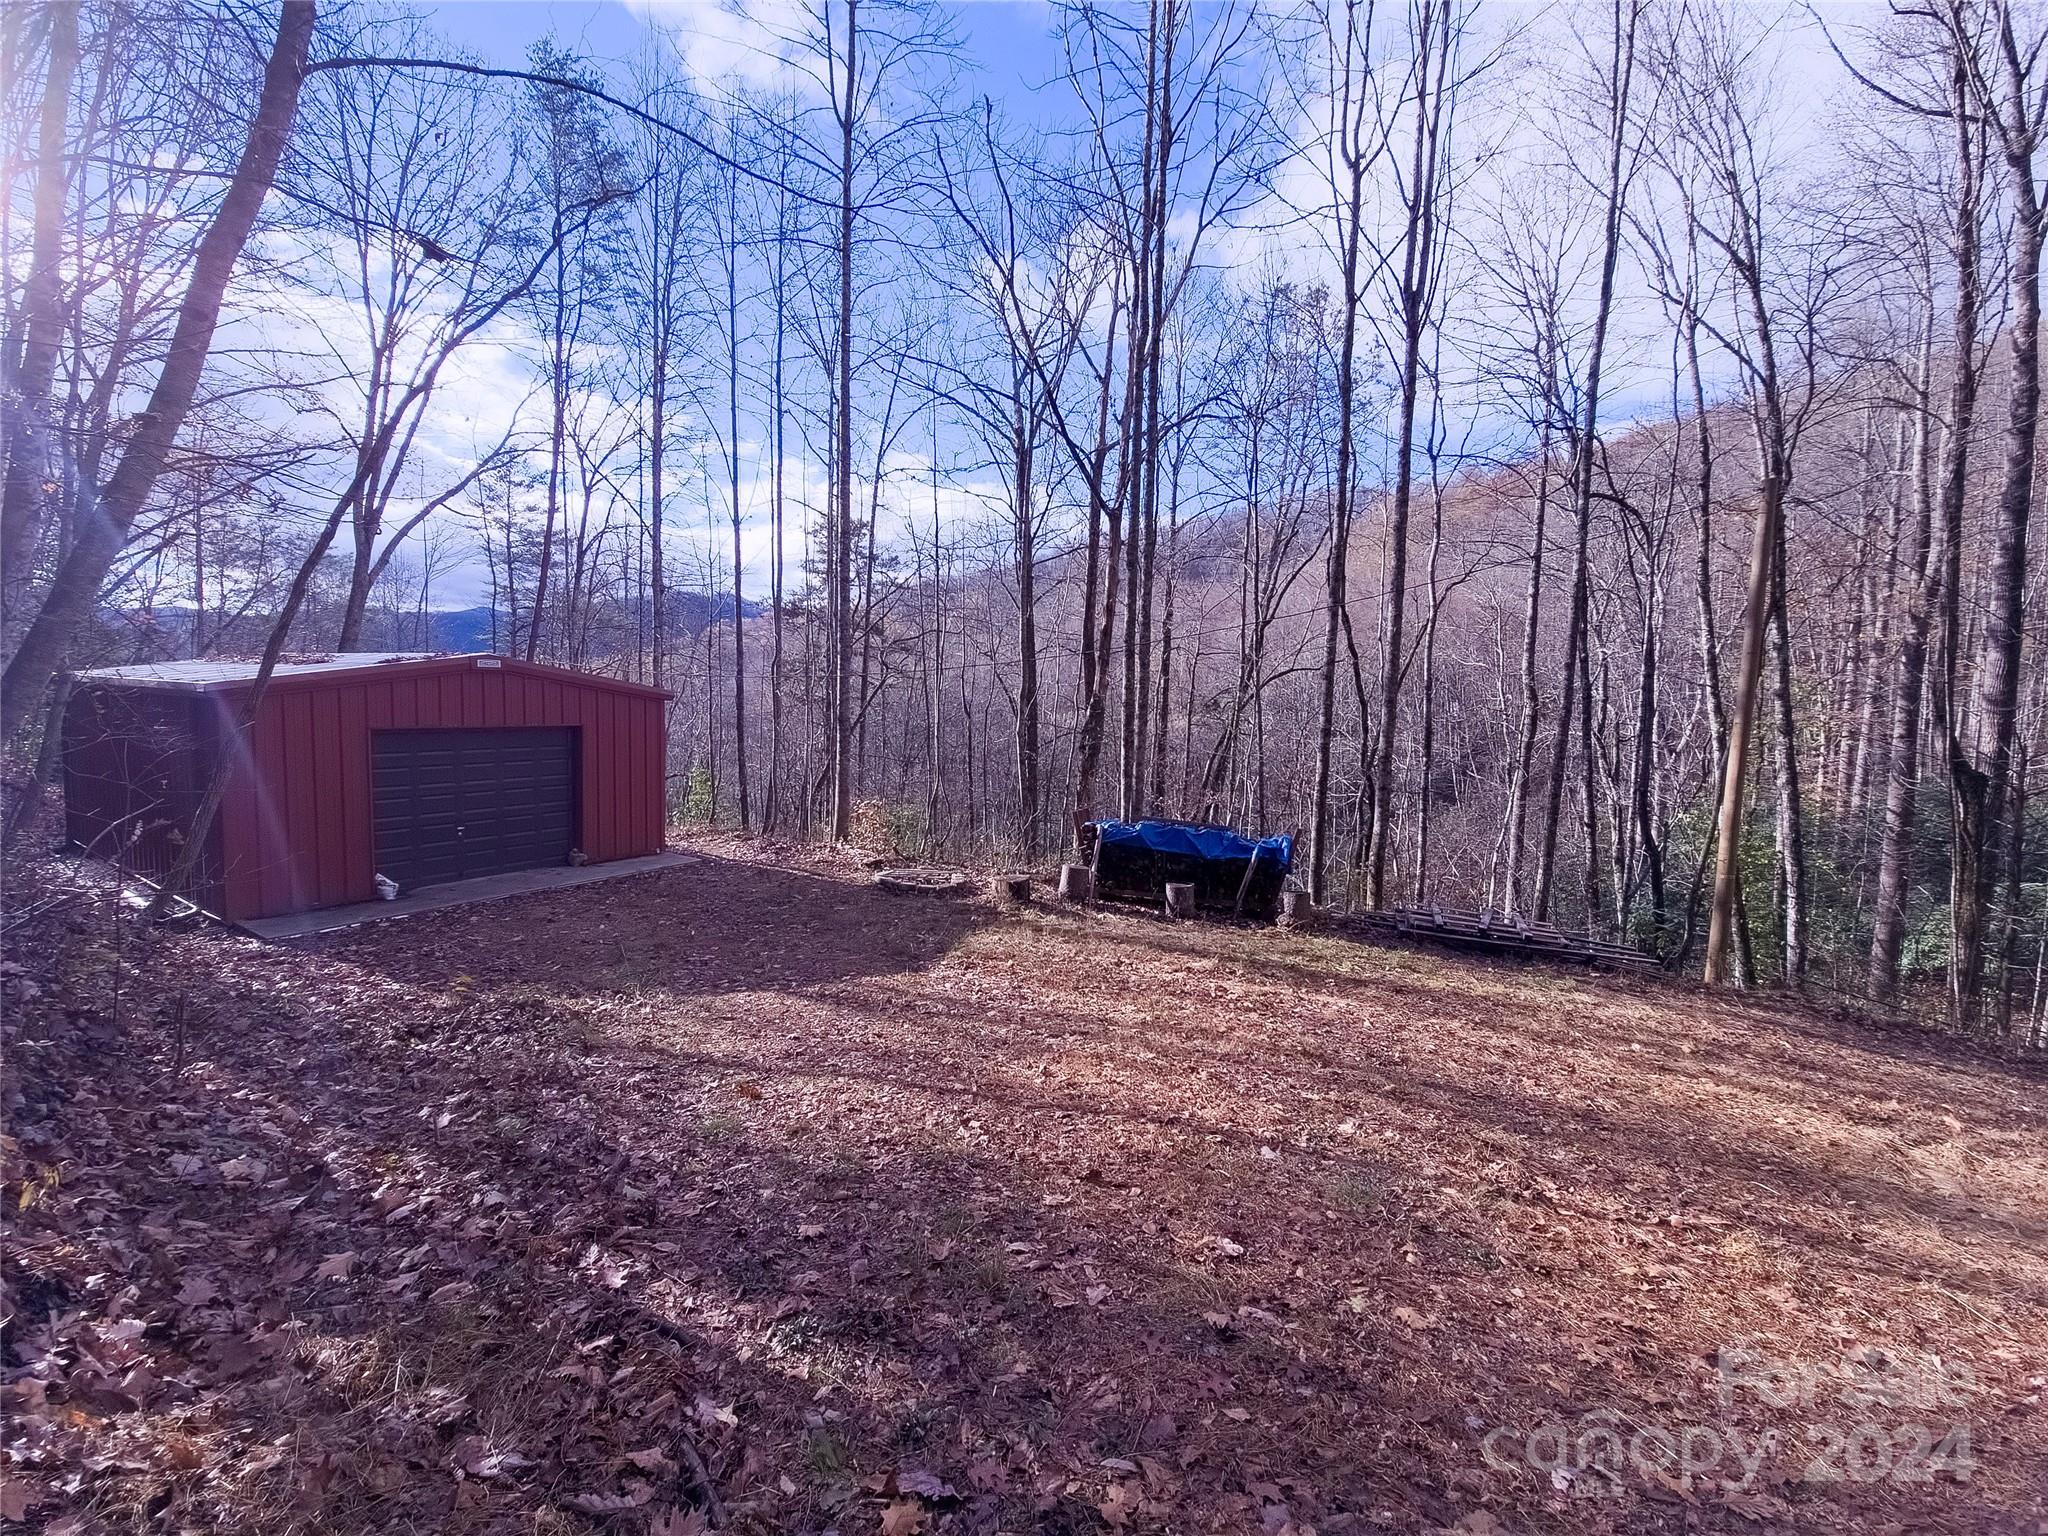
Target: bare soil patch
{"x": 748, "y": 1194}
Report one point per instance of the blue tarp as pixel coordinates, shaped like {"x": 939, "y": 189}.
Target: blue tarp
{"x": 1192, "y": 840}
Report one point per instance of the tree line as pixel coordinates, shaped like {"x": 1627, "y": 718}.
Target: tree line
{"x": 1563, "y": 463}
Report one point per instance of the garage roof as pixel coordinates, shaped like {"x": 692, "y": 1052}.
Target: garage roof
{"x": 226, "y": 676}
{"x": 200, "y": 676}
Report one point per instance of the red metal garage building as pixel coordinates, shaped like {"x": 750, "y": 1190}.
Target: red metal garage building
{"x": 423, "y": 769}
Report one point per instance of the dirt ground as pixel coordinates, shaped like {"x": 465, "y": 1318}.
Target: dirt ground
{"x": 744, "y": 1196}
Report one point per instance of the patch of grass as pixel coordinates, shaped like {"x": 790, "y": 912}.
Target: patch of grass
{"x": 1355, "y": 1191}
{"x": 826, "y": 1455}
{"x": 793, "y": 1335}
{"x": 992, "y": 1278}
{"x": 915, "y": 1429}
{"x": 952, "y": 1220}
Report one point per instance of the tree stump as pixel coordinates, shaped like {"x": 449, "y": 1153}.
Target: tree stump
{"x": 1180, "y": 899}
{"x": 1076, "y": 883}
{"x": 1010, "y": 890}
{"x": 1296, "y": 910}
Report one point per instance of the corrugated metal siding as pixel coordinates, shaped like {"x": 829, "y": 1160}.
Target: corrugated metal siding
{"x": 295, "y": 829}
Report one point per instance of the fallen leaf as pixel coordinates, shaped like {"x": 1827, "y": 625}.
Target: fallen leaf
{"x": 923, "y": 1484}
{"x": 709, "y": 1413}
{"x": 903, "y": 1518}
{"x": 1120, "y": 1503}
{"x": 336, "y": 1266}
{"x": 479, "y": 1458}
{"x": 636, "y": 1493}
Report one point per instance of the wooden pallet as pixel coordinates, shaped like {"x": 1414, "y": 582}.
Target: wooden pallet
{"x": 1487, "y": 932}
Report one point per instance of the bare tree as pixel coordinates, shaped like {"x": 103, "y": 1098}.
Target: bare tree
{"x": 64, "y": 607}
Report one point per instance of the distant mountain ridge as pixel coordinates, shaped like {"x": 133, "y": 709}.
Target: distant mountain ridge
{"x": 448, "y": 629}
{"x": 689, "y": 613}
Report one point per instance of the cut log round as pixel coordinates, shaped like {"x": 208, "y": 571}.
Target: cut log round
{"x": 921, "y": 881}
{"x": 1076, "y": 883}
{"x": 1296, "y": 910}
{"x": 1180, "y": 899}
{"x": 1012, "y": 890}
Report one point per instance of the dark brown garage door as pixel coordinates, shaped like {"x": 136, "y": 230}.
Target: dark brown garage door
{"x": 452, "y": 805}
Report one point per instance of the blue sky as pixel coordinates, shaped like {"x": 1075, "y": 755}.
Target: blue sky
{"x": 1005, "y": 42}
{"x": 1006, "y": 52}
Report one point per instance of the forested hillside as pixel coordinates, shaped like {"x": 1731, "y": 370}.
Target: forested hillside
{"x": 1580, "y": 463}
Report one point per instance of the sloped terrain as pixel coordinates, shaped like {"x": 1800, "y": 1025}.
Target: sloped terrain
{"x": 745, "y": 1196}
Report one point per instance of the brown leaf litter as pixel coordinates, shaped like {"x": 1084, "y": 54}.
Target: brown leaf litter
{"x": 741, "y": 1196}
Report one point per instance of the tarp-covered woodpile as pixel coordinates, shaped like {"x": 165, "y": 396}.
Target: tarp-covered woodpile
{"x": 1232, "y": 874}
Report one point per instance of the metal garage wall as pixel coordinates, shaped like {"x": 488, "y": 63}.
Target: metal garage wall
{"x": 298, "y": 828}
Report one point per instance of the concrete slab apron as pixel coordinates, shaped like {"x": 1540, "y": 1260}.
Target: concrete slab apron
{"x": 457, "y": 893}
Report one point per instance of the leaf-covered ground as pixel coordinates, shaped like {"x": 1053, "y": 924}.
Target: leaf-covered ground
{"x": 743, "y": 1196}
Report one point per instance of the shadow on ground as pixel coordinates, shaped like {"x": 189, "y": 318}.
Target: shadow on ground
{"x": 1044, "y": 1222}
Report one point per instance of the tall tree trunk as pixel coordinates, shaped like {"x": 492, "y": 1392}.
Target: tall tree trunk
{"x": 1148, "y": 485}
{"x": 1922, "y": 592}
{"x": 34, "y": 368}
{"x": 1164, "y": 710}
{"x": 1098, "y": 604}
{"x": 1026, "y": 553}
{"x": 1134, "y": 467}
{"x": 1644, "y": 768}
{"x": 771, "y": 812}
{"x": 1791, "y": 815}
{"x": 1981, "y": 771}
{"x": 657, "y": 454}
{"x": 558, "y": 427}
{"x": 1427, "y": 750}
{"x": 1621, "y": 76}
{"x": 1728, "y": 835}
{"x": 842, "y": 527}
{"x": 1592, "y": 727}
{"x": 1703, "y": 585}
{"x": 1567, "y": 712}
{"x": 1525, "y": 746}
{"x": 1875, "y": 660}
{"x": 1417, "y": 268}
{"x": 76, "y": 588}
{"x": 934, "y": 680}
{"x": 1352, "y": 154}
{"x": 739, "y": 596}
